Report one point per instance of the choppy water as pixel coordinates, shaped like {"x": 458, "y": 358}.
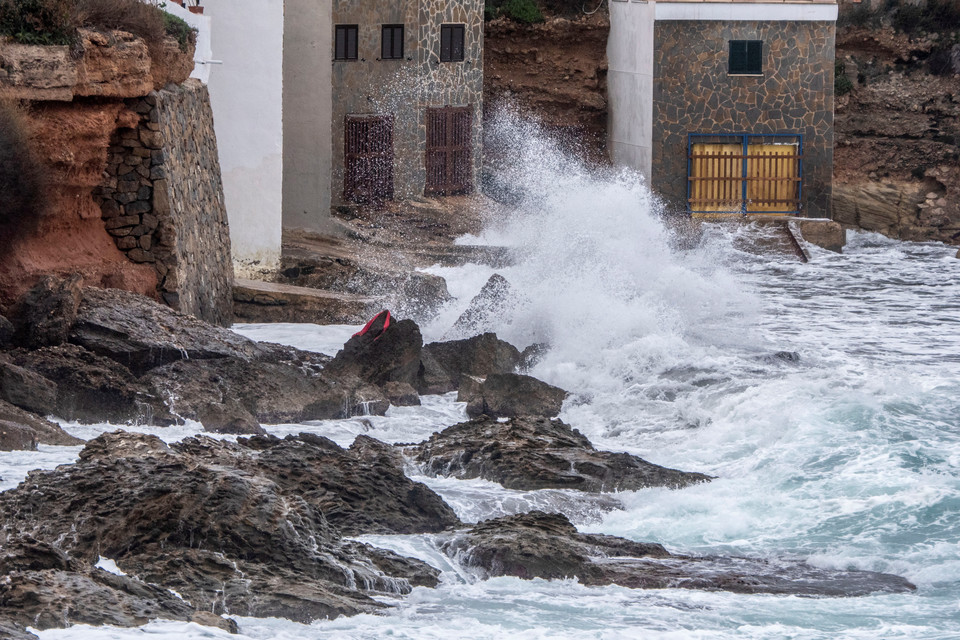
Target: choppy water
{"x": 848, "y": 457}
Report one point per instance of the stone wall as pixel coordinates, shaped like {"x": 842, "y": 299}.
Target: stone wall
{"x": 162, "y": 200}
{"x": 407, "y": 87}
{"x": 694, "y": 94}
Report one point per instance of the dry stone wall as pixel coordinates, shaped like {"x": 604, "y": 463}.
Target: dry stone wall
{"x": 162, "y": 200}
{"x": 694, "y": 94}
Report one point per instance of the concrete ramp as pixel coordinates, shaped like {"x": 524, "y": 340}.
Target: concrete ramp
{"x": 789, "y": 237}
{"x": 256, "y": 301}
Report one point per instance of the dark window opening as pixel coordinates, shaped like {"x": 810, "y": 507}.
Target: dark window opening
{"x": 451, "y": 42}
{"x": 746, "y": 57}
{"x": 345, "y": 42}
{"x": 391, "y": 42}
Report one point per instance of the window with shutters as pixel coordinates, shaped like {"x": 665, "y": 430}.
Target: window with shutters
{"x": 746, "y": 58}
{"x": 451, "y": 42}
{"x": 345, "y": 42}
{"x": 391, "y": 42}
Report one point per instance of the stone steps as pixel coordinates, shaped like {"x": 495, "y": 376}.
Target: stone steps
{"x": 258, "y": 301}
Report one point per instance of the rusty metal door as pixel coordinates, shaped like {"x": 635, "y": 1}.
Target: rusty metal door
{"x": 368, "y": 159}
{"x": 449, "y": 151}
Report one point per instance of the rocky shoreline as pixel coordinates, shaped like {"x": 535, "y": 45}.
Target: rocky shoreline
{"x": 262, "y": 526}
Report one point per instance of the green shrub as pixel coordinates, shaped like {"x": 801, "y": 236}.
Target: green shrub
{"x": 183, "y": 33}
{"x": 23, "y": 178}
{"x": 841, "y": 83}
{"x": 48, "y": 22}
{"x": 525, "y": 11}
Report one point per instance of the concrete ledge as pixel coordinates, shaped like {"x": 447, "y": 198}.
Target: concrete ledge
{"x": 257, "y": 301}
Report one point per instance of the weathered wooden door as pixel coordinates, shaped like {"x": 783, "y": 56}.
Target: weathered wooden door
{"x": 449, "y": 151}
{"x": 368, "y": 158}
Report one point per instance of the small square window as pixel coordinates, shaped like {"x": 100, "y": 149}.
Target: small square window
{"x": 451, "y": 42}
{"x": 391, "y": 42}
{"x": 345, "y": 42}
{"x": 746, "y": 57}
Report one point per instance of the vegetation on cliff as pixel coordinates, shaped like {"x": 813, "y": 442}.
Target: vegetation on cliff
{"x": 22, "y": 183}
{"x": 55, "y": 22}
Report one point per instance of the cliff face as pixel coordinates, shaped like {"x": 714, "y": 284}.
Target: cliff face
{"x": 897, "y": 155}
{"x": 134, "y": 194}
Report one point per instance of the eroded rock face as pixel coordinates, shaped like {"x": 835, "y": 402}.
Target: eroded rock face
{"x": 23, "y": 426}
{"x": 538, "y": 453}
{"x": 508, "y": 395}
{"x": 46, "y": 312}
{"x": 542, "y": 545}
{"x": 225, "y": 524}
{"x": 443, "y": 363}
{"x": 391, "y": 355}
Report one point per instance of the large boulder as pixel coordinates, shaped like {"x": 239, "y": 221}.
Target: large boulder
{"x": 142, "y": 334}
{"x": 443, "y": 363}
{"x": 45, "y": 313}
{"x": 548, "y": 546}
{"x": 537, "y": 453}
{"x": 229, "y": 527}
{"x": 23, "y": 427}
{"x": 6, "y": 332}
{"x": 26, "y": 389}
{"x": 44, "y": 588}
{"x": 508, "y": 395}
{"x": 495, "y": 301}
{"x": 383, "y": 355}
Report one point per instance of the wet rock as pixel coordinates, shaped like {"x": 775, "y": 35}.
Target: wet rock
{"x": 228, "y": 417}
{"x": 26, "y": 389}
{"x": 494, "y": 302}
{"x": 379, "y": 357}
{"x": 401, "y": 394}
{"x": 787, "y": 356}
{"x": 507, "y": 395}
{"x": 44, "y": 588}
{"x": 221, "y": 523}
{"x": 16, "y": 437}
{"x": 538, "y": 453}
{"x": 547, "y": 546}
{"x": 142, "y": 334}
{"x": 443, "y": 363}
{"x": 91, "y": 388}
{"x": 532, "y": 355}
{"x": 6, "y": 332}
{"x": 41, "y": 430}
{"x": 46, "y": 312}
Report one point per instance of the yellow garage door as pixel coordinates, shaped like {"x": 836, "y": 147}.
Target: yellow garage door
{"x": 716, "y": 179}
{"x": 773, "y": 180}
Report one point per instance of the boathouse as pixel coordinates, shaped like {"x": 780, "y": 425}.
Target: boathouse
{"x": 726, "y": 107}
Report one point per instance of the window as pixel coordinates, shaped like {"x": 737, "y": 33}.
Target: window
{"x": 345, "y": 42}
{"x": 451, "y": 42}
{"x": 391, "y": 42}
{"x": 746, "y": 57}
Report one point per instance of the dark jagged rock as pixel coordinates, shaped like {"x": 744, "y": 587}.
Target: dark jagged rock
{"x": 91, "y": 388}
{"x": 26, "y": 389}
{"x": 41, "y": 430}
{"x": 443, "y": 363}
{"x": 228, "y": 417}
{"x": 541, "y": 545}
{"x": 532, "y": 355}
{"x": 223, "y": 524}
{"x": 392, "y": 355}
{"x": 6, "y": 336}
{"x": 16, "y": 437}
{"x": 537, "y": 453}
{"x": 45, "y": 313}
{"x": 401, "y": 394}
{"x": 45, "y": 588}
{"x": 508, "y": 395}
{"x": 494, "y": 301}
{"x": 142, "y": 334}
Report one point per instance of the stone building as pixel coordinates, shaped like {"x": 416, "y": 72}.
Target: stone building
{"x": 725, "y": 107}
{"x": 405, "y": 115}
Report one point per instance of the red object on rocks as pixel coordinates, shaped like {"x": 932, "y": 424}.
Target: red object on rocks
{"x": 378, "y": 324}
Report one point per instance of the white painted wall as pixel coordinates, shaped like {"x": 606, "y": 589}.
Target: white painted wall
{"x": 246, "y": 92}
{"x": 630, "y": 84}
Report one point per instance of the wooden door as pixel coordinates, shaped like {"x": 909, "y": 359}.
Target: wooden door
{"x": 368, "y": 159}
{"x": 773, "y": 181}
{"x": 716, "y": 178}
{"x": 449, "y": 151}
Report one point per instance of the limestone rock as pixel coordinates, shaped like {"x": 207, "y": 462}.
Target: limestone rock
{"x": 494, "y": 301}
{"x": 41, "y": 430}
{"x": 507, "y": 395}
{"x": 444, "y": 362}
{"x": 547, "y": 546}
{"x": 46, "y": 312}
{"x": 392, "y": 355}
{"x": 537, "y": 453}
{"x": 401, "y": 394}
{"x": 25, "y": 389}
{"x": 228, "y": 417}
{"x": 227, "y": 525}
{"x": 16, "y": 437}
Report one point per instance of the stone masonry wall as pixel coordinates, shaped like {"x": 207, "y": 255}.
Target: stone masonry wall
{"x": 694, "y": 94}
{"x": 162, "y": 200}
{"x": 406, "y": 88}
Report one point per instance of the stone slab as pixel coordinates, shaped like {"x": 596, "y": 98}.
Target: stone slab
{"x": 257, "y": 301}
